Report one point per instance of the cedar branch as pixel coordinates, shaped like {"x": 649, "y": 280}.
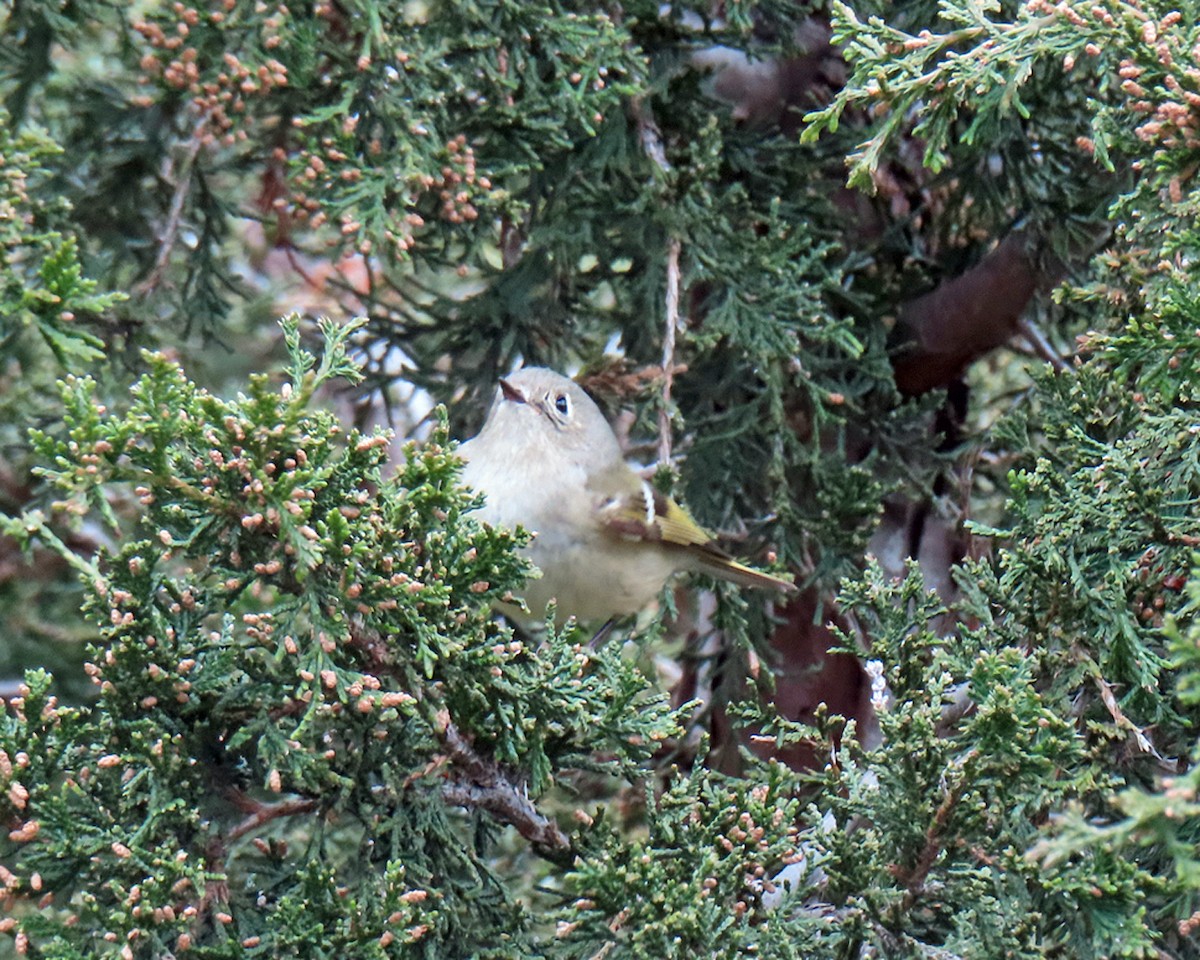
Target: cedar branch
{"x": 489, "y": 789}
{"x": 475, "y": 781}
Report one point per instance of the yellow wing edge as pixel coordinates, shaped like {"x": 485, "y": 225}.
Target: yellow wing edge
{"x": 653, "y": 516}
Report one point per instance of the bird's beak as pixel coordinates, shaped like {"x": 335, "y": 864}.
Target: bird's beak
{"x": 510, "y": 392}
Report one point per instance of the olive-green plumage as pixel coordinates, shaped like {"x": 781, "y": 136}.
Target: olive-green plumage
{"x": 604, "y": 540}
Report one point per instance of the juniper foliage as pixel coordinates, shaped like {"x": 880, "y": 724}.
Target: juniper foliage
{"x": 307, "y": 735}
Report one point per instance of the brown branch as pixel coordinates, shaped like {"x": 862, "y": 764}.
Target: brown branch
{"x": 183, "y": 183}
{"x": 489, "y": 789}
{"x": 298, "y": 268}
{"x": 652, "y": 145}
{"x": 1144, "y": 744}
{"x": 966, "y": 317}
{"x": 267, "y": 812}
{"x": 1041, "y": 346}
{"x": 216, "y": 887}
{"x": 914, "y": 878}
{"x": 509, "y": 806}
{"x": 476, "y": 781}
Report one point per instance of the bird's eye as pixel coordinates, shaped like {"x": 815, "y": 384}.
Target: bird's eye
{"x": 561, "y": 405}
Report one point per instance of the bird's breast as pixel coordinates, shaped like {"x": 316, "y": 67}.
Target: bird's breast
{"x": 591, "y": 573}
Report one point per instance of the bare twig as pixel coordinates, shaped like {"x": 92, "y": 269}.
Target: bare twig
{"x": 507, "y": 805}
{"x": 216, "y": 886}
{"x": 649, "y": 134}
{"x": 668, "y": 354}
{"x": 268, "y": 812}
{"x": 652, "y": 145}
{"x": 1114, "y": 709}
{"x": 1122, "y": 721}
{"x": 294, "y": 261}
{"x": 1041, "y": 346}
{"x": 183, "y": 184}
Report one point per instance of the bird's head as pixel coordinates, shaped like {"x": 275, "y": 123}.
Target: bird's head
{"x": 541, "y": 412}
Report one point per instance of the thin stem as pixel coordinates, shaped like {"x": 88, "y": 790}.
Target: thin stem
{"x": 183, "y": 185}
{"x": 1041, "y": 346}
{"x": 268, "y": 812}
{"x": 668, "y": 354}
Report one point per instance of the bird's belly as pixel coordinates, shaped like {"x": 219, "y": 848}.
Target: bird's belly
{"x": 600, "y": 578}
{"x": 592, "y": 574}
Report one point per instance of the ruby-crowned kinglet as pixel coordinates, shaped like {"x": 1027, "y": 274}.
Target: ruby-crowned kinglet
{"x": 604, "y": 540}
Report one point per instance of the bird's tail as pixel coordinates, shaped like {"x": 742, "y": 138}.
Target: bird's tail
{"x": 718, "y": 565}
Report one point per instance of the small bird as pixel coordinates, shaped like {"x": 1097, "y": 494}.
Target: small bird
{"x": 604, "y": 540}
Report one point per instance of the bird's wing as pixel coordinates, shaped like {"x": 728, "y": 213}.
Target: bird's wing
{"x": 632, "y": 509}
